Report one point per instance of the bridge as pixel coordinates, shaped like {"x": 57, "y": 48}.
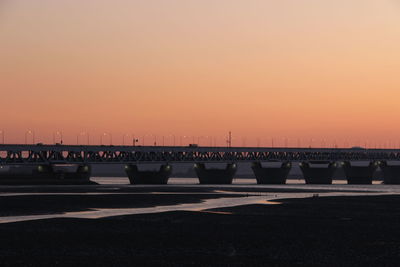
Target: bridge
{"x": 73, "y": 154}
{"x": 318, "y": 165}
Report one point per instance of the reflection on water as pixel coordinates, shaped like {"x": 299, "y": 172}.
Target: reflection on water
{"x": 250, "y": 192}
{"x": 204, "y": 206}
{"x": 192, "y": 181}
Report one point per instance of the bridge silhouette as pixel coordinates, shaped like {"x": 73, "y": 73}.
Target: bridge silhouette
{"x": 92, "y": 154}
{"x": 318, "y": 165}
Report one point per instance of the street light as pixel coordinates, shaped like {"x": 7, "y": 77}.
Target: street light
{"x": 30, "y": 132}
{"x": 82, "y": 134}
{"x": 123, "y": 138}
{"x": 55, "y": 134}
{"x": 2, "y": 136}
{"x": 243, "y": 141}
{"x": 105, "y": 134}
{"x": 134, "y": 140}
{"x": 173, "y": 136}
{"x": 210, "y": 139}
{"x": 198, "y": 139}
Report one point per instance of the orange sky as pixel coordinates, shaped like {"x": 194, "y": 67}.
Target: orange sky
{"x": 309, "y": 70}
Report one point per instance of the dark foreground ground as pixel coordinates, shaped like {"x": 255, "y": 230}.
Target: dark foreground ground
{"x": 335, "y": 231}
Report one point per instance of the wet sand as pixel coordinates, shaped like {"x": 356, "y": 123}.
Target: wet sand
{"x": 312, "y": 231}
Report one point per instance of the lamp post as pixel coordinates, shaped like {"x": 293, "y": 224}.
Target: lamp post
{"x": 104, "y": 135}
{"x": 229, "y": 141}
{"x": 2, "y": 136}
{"x": 82, "y": 134}
{"x": 123, "y": 138}
{"x": 134, "y": 140}
{"x": 173, "y": 138}
{"x": 198, "y": 139}
{"x": 57, "y": 134}
{"x": 30, "y": 132}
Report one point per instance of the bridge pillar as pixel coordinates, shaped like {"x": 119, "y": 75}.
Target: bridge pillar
{"x": 359, "y": 174}
{"x": 321, "y": 172}
{"x": 80, "y": 176}
{"x": 82, "y": 173}
{"x": 160, "y": 176}
{"x": 391, "y": 173}
{"x": 271, "y": 175}
{"x": 46, "y": 174}
{"x": 215, "y": 176}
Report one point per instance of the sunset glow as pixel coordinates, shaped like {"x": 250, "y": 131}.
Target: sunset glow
{"x": 283, "y": 73}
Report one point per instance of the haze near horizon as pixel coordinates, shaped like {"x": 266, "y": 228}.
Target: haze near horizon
{"x": 297, "y": 70}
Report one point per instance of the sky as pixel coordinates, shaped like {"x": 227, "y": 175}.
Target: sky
{"x": 273, "y": 72}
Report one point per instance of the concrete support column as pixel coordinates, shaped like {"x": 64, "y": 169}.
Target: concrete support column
{"x": 391, "y": 173}
{"x": 45, "y": 171}
{"x": 359, "y": 174}
{"x": 47, "y": 174}
{"x": 271, "y": 175}
{"x": 160, "y": 176}
{"x": 215, "y": 176}
{"x": 318, "y": 172}
{"x": 80, "y": 176}
{"x": 83, "y": 172}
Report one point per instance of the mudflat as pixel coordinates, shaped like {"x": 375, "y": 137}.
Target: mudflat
{"x": 316, "y": 231}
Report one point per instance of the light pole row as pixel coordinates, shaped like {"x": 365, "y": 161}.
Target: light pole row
{"x": 107, "y": 138}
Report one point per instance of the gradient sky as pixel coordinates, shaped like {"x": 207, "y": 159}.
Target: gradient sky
{"x": 309, "y": 70}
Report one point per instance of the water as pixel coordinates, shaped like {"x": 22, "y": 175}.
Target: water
{"x": 193, "y": 181}
{"x": 247, "y": 190}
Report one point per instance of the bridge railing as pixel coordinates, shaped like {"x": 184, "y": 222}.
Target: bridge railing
{"x": 64, "y": 154}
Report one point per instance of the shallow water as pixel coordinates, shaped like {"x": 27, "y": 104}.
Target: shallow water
{"x": 251, "y": 193}
{"x": 192, "y": 181}
{"x": 204, "y": 206}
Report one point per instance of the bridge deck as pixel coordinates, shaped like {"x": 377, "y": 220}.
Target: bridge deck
{"x": 70, "y": 154}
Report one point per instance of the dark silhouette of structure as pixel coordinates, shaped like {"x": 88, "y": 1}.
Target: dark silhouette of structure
{"x": 42, "y": 158}
{"x": 148, "y": 177}
{"x": 318, "y": 172}
{"x": 359, "y": 174}
{"x": 391, "y": 173}
{"x": 271, "y": 175}
{"x": 46, "y": 174}
{"x": 215, "y": 176}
